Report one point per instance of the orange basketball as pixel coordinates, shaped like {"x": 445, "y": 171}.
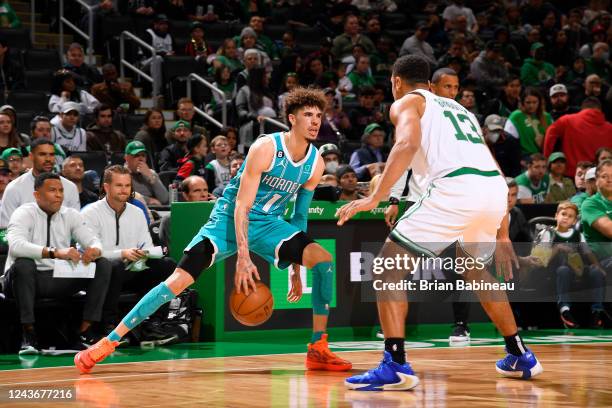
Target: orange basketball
{"x": 254, "y": 309}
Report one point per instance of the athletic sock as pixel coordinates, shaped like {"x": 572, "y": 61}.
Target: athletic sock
{"x": 515, "y": 345}
{"x": 316, "y": 336}
{"x": 113, "y": 336}
{"x": 150, "y": 302}
{"x": 395, "y": 347}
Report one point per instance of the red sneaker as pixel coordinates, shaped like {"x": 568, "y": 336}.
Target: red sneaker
{"x": 86, "y": 359}
{"x": 319, "y": 357}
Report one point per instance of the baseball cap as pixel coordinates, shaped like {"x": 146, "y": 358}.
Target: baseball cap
{"x": 70, "y": 106}
{"x": 591, "y": 174}
{"x": 344, "y": 169}
{"x": 422, "y": 25}
{"x": 160, "y": 17}
{"x": 135, "y": 147}
{"x": 557, "y": 88}
{"x": 372, "y": 127}
{"x": 556, "y": 156}
{"x": 494, "y": 122}
{"x": 10, "y": 152}
{"x": 329, "y": 148}
{"x": 181, "y": 123}
{"x": 4, "y": 168}
{"x": 536, "y": 45}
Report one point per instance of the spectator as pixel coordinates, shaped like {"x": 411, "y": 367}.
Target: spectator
{"x": 561, "y": 53}
{"x": 74, "y": 170}
{"x": 568, "y": 251}
{"x": 373, "y": 28}
{"x": 64, "y": 90}
{"x": 290, "y": 82}
{"x": 11, "y": 72}
{"x": 535, "y": 11}
{"x": 559, "y": 100}
{"x": 232, "y": 140}
{"x": 8, "y": 17}
{"x": 603, "y": 153}
{"x": 248, "y": 40}
{"x": 508, "y": 100}
{"x": 225, "y": 82}
{"x": 417, "y": 44}
{"x": 19, "y": 191}
{"x": 457, "y": 8}
{"x": 142, "y": 9}
{"x": 194, "y": 163}
{"x": 599, "y": 63}
{"x": 193, "y": 189}
{"x": 153, "y": 135}
{"x": 455, "y": 54}
{"x": 533, "y": 184}
{"x": 197, "y": 47}
{"x": 361, "y": 76}
{"x": 5, "y": 178}
{"x": 460, "y": 29}
{"x": 144, "y": 180}
{"x": 331, "y": 157}
{"x": 186, "y": 113}
{"x": 9, "y": 138}
{"x": 67, "y": 133}
{"x": 592, "y": 86}
{"x": 313, "y": 72}
{"x": 162, "y": 42}
{"x": 38, "y": 233}
{"x": 120, "y": 96}
{"x": 369, "y": 160}
{"x": 505, "y": 148}
{"x": 170, "y": 156}
{"x": 289, "y": 47}
{"x": 467, "y": 99}
{"x": 343, "y": 44}
{"x": 528, "y": 124}
{"x": 335, "y": 122}
{"x": 519, "y": 227}
{"x": 9, "y": 110}
{"x": 251, "y": 60}
{"x": 384, "y": 57}
{"x": 561, "y": 188}
{"x": 219, "y": 173}
{"x": 236, "y": 161}
{"x": 40, "y": 128}
{"x": 445, "y": 81}
{"x": 124, "y": 233}
{"x": 347, "y": 179}
{"x": 509, "y": 52}
{"x": 228, "y": 55}
{"x": 588, "y": 180}
{"x": 264, "y": 42}
{"x": 580, "y": 134}
{"x": 253, "y": 104}
{"x": 535, "y": 71}
{"x": 488, "y": 69}
{"x": 84, "y": 75}
{"x": 598, "y": 34}
{"x": 13, "y": 159}
{"x": 363, "y": 114}
{"x": 101, "y": 136}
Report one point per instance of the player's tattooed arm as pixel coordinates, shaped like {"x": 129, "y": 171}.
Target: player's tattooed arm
{"x": 258, "y": 161}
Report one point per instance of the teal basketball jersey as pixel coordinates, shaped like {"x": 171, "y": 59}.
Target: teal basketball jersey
{"x": 277, "y": 185}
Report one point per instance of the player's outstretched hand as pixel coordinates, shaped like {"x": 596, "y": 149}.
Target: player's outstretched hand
{"x": 295, "y": 293}
{"x": 505, "y": 258}
{"x": 347, "y": 211}
{"x": 243, "y": 278}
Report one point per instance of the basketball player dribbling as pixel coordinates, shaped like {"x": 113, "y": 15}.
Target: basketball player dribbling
{"x": 248, "y": 217}
{"x": 465, "y": 202}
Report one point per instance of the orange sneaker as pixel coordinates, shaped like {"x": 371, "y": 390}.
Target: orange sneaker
{"x": 86, "y": 359}
{"x": 320, "y": 357}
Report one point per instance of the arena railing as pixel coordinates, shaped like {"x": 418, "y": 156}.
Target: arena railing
{"x": 262, "y": 124}
{"x": 125, "y": 63}
{"x": 89, "y": 36}
{"x": 195, "y": 77}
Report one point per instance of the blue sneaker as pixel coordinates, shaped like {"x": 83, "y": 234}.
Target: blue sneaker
{"x": 525, "y": 366}
{"x": 388, "y": 376}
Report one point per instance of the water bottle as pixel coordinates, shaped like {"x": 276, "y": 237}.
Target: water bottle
{"x": 173, "y": 190}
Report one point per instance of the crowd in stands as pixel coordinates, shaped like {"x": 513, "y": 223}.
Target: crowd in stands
{"x": 536, "y": 74}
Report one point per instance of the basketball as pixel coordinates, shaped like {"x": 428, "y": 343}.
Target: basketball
{"x": 254, "y": 309}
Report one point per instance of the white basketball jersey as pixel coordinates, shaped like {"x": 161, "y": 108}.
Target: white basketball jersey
{"x": 451, "y": 139}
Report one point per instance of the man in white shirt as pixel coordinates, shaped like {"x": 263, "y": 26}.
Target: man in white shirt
{"x": 67, "y": 132}
{"x": 20, "y": 190}
{"x": 123, "y": 230}
{"x": 38, "y": 234}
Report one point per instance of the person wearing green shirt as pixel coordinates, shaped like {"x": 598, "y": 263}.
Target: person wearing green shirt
{"x": 227, "y": 56}
{"x": 535, "y": 71}
{"x": 343, "y": 44}
{"x": 529, "y": 123}
{"x": 599, "y": 62}
{"x": 533, "y": 184}
{"x": 589, "y": 185}
{"x": 361, "y": 77}
{"x": 596, "y": 214}
{"x": 8, "y": 17}
{"x": 561, "y": 188}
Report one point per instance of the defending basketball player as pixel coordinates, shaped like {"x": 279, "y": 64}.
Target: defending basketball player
{"x": 249, "y": 218}
{"x": 465, "y": 202}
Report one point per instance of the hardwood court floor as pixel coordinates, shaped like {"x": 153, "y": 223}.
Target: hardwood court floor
{"x": 574, "y": 375}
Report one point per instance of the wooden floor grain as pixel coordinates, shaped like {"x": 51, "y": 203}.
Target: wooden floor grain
{"x": 574, "y": 376}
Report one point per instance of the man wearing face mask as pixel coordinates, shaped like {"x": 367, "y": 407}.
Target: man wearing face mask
{"x": 331, "y": 156}
{"x": 535, "y": 70}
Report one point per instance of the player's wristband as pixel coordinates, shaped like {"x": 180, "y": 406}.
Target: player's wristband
{"x": 393, "y": 201}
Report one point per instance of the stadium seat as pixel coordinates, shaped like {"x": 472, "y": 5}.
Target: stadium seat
{"x": 308, "y": 36}
{"x": 180, "y": 29}
{"x": 117, "y": 158}
{"x": 41, "y": 59}
{"x": 276, "y": 31}
{"x": 29, "y": 101}
{"x": 39, "y": 80}
{"x": 167, "y": 177}
{"x": 538, "y": 223}
{"x": 17, "y": 37}
{"x": 23, "y": 121}
{"x": 132, "y": 124}
{"x": 217, "y": 32}
{"x": 178, "y": 66}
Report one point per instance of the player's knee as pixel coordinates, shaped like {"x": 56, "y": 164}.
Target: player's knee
{"x": 179, "y": 281}
{"x": 315, "y": 254}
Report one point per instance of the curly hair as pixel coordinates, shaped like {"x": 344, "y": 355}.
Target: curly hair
{"x": 304, "y": 97}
